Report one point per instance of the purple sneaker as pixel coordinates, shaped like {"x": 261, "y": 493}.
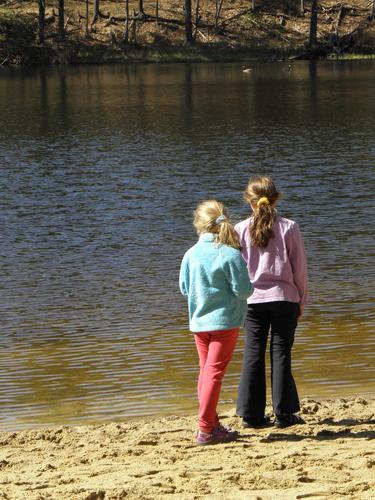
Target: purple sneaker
{"x": 228, "y": 429}
{"x": 219, "y": 435}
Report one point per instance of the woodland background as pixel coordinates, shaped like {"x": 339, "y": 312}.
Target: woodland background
{"x": 75, "y": 31}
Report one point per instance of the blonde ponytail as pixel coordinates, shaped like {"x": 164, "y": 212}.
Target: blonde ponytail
{"x": 211, "y": 216}
{"x": 227, "y": 235}
{"x": 261, "y": 194}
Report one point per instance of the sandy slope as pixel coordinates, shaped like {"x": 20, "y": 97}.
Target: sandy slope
{"x": 331, "y": 457}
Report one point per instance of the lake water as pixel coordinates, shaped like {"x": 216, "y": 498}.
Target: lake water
{"x": 100, "y": 169}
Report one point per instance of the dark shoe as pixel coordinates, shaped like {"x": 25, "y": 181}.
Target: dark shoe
{"x": 282, "y": 421}
{"x": 256, "y": 422}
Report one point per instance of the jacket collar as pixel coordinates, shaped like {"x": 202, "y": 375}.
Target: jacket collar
{"x": 207, "y": 237}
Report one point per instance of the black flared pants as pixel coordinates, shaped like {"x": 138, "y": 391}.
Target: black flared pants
{"x": 279, "y": 318}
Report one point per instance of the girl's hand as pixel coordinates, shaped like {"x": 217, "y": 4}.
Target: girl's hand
{"x": 301, "y": 310}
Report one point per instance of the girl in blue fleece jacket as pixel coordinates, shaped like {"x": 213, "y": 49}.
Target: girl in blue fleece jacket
{"x": 214, "y": 278}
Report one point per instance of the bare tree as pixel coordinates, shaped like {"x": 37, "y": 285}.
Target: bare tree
{"x": 313, "y": 23}
{"x": 188, "y": 22}
{"x": 218, "y": 7}
{"x": 41, "y": 20}
{"x": 87, "y": 18}
{"x": 157, "y": 13}
{"x": 133, "y": 26}
{"x": 140, "y": 7}
{"x": 96, "y": 11}
{"x": 61, "y": 20}
{"x": 126, "y": 36}
{"x": 197, "y": 18}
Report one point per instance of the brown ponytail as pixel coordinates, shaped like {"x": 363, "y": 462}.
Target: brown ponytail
{"x": 261, "y": 194}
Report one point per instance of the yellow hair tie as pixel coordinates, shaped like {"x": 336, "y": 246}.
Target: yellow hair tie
{"x": 263, "y": 201}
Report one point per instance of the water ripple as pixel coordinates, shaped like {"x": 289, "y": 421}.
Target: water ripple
{"x": 97, "y": 192}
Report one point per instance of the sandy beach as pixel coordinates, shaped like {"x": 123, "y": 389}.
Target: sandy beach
{"x": 331, "y": 457}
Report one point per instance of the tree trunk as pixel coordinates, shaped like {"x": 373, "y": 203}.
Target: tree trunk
{"x": 126, "y": 37}
{"x": 61, "y": 20}
{"x": 313, "y": 23}
{"x": 373, "y": 9}
{"x": 302, "y": 7}
{"x": 140, "y": 7}
{"x": 188, "y": 22}
{"x": 96, "y": 10}
{"x": 197, "y": 18}
{"x": 42, "y": 20}
{"x": 252, "y": 5}
{"x": 218, "y": 6}
{"x": 157, "y": 13}
{"x": 340, "y": 16}
{"x": 87, "y": 18}
{"x": 134, "y": 31}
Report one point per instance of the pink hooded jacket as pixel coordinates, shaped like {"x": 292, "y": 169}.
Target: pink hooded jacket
{"x": 279, "y": 271}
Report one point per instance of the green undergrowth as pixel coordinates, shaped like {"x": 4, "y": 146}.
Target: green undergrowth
{"x": 356, "y": 56}
{"x": 132, "y": 53}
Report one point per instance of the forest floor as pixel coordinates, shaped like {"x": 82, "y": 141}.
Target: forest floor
{"x": 331, "y": 457}
{"x": 273, "y": 30}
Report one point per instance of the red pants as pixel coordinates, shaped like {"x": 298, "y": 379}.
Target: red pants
{"x": 215, "y": 350}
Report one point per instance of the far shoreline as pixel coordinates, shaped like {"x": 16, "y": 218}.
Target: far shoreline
{"x": 73, "y": 55}
{"x": 238, "y": 32}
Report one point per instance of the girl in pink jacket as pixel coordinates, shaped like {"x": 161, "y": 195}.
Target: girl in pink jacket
{"x": 273, "y": 249}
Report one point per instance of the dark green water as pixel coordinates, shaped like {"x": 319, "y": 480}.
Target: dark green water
{"x": 100, "y": 169}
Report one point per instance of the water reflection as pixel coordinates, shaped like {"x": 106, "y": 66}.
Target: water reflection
{"x": 100, "y": 170}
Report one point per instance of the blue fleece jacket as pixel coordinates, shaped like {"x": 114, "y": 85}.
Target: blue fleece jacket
{"x": 215, "y": 280}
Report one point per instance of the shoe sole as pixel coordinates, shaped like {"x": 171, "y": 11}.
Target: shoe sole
{"x": 260, "y": 426}
{"x": 217, "y": 442}
{"x": 266, "y": 423}
{"x": 284, "y": 426}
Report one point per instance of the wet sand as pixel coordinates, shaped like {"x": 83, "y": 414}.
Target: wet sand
{"x": 332, "y": 456}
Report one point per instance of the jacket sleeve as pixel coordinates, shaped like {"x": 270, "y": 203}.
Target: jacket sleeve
{"x": 298, "y": 260}
{"x": 184, "y": 276}
{"x": 237, "y": 275}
